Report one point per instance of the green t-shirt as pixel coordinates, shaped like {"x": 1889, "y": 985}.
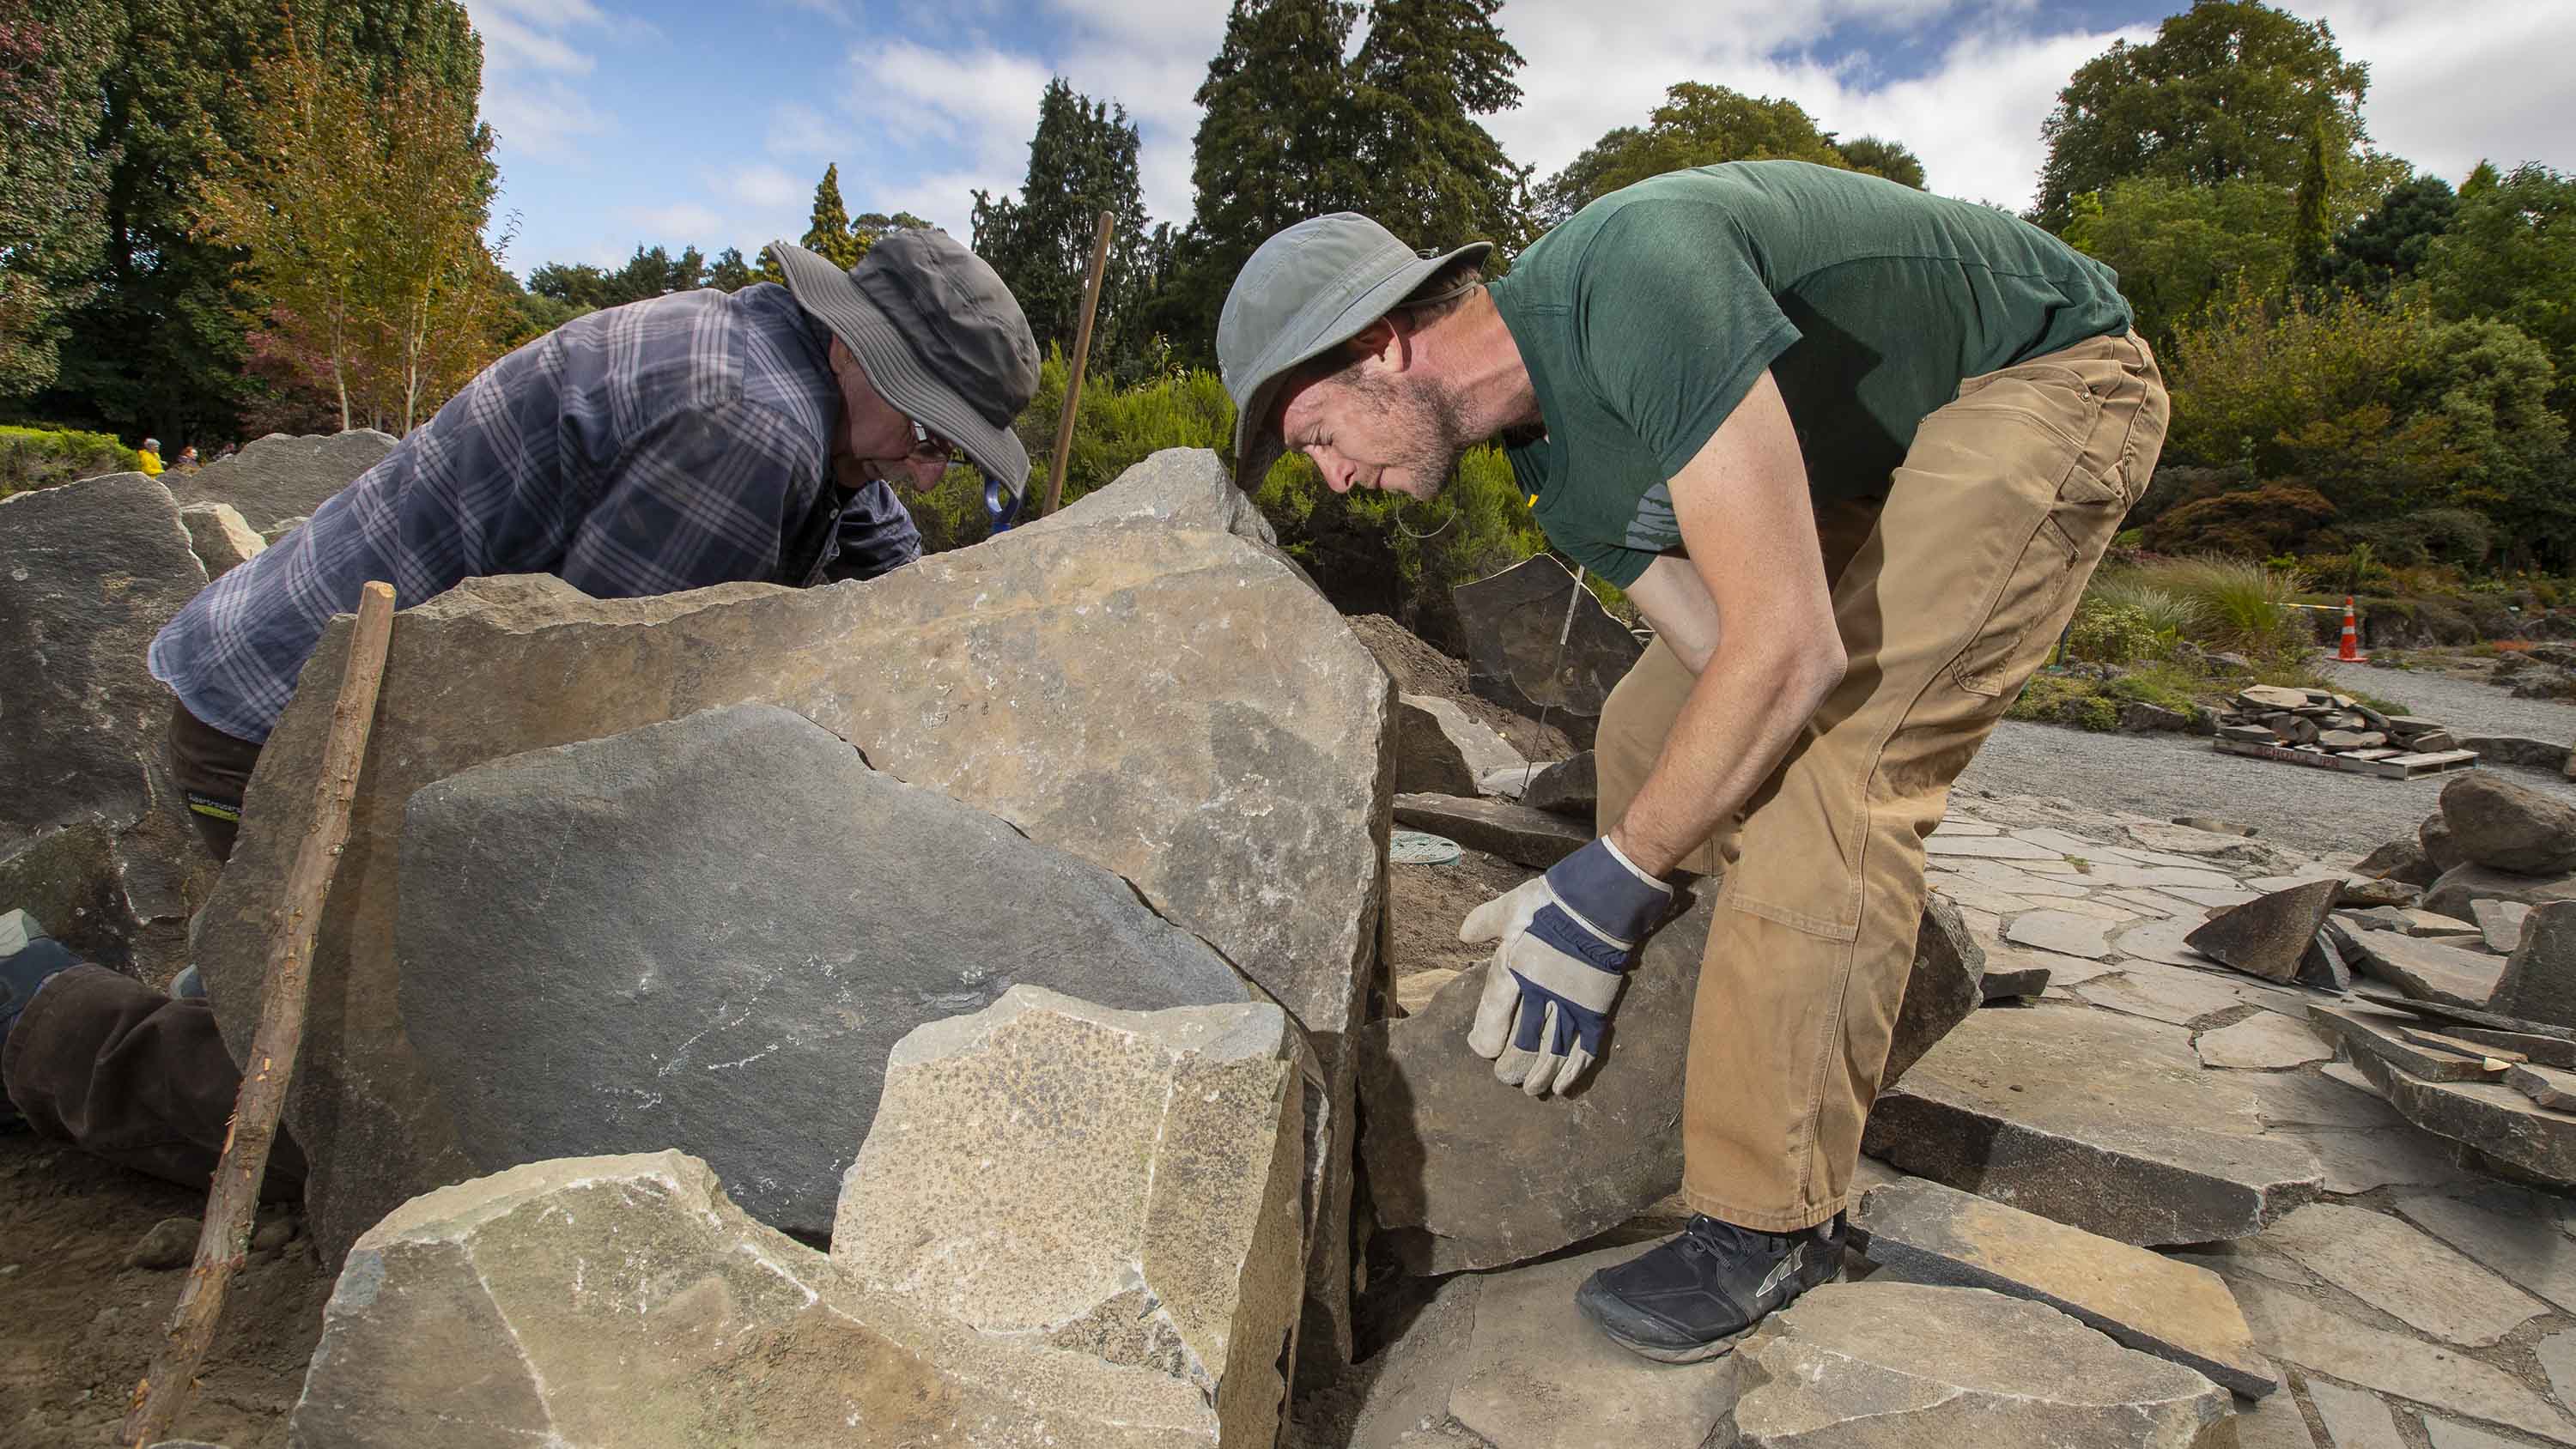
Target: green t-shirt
{"x": 1647, "y": 317}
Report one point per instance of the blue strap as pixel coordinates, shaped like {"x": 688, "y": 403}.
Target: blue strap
{"x": 1569, "y": 937}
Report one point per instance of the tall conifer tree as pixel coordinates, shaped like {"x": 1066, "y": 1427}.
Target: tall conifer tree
{"x": 827, "y": 233}
{"x": 1434, "y": 175}
{"x": 1082, "y": 162}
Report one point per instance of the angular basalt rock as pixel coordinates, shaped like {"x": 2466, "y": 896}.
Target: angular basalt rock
{"x": 2422, "y": 968}
{"x": 1174, "y": 487}
{"x": 281, "y": 476}
{"x": 2457, "y": 890}
{"x": 1466, "y": 1172}
{"x": 624, "y": 1301}
{"x": 1946, "y": 983}
{"x": 2491, "y": 1117}
{"x": 707, "y": 934}
{"x": 2268, "y": 936}
{"x": 2103, "y": 1122}
{"x": 1929, "y": 1233}
{"x": 1440, "y": 750}
{"x": 89, "y": 572}
{"x": 1512, "y": 622}
{"x": 1865, "y": 1365}
{"x": 1517, "y": 833}
{"x": 1177, "y": 707}
{"x": 1123, "y": 1185}
{"x": 2498, "y": 823}
{"x": 2539, "y": 981}
{"x": 222, "y": 540}
{"x": 1570, "y": 787}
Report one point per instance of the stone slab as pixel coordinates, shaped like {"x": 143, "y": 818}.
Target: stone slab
{"x": 2266, "y": 936}
{"x": 1987, "y": 847}
{"x": 2557, "y": 1355}
{"x": 2293, "y": 1328}
{"x": 2551, "y": 1087}
{"x": 2489, "y": 1116}
{"x": 2354, "y": 1419}
{"x": 1538, "y": 1376}
{"x": 1440, "y": 749}
{"x": 2261, "y": 1042}
{"x": 2527, "y": 1250}
{"x": 1945, "y": 983}
{"x": 1936, "y": 1234}
{"x": 2403, "y": 1273}
{"x": 1517, "y": 833}
{"x": 2501, "y": 923}
{"x": 1514, "y": 621}
{"x": 2423, "y": 969}
{"x": 742, "y": 1017}
{"x": 1856, "y": 1366}
{"x": 2458, "y": 888}
{"x": 2356, "y": 1160}
{"x": 2170, "y": 994}
{"x": 2381, "y": 1035}
{"x": 1570, "y": 787}
{"x": 2539, "y": 981}
{"x": 2102, "y": 1122}
{"x": 2064, "y": 932}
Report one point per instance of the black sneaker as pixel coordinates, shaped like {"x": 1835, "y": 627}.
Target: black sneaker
{"x": 1691, "y": 1298}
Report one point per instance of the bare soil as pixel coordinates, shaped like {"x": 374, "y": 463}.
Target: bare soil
{"x": 1428, "y": 903}
{"x": 80, "y": 1327}
{"x": 1419, "y": 668}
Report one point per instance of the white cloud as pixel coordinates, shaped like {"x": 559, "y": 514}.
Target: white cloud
{"x": 2463, "y": 80}
{"x": 765, "y": 186}
{"x": 685, "y": 223}
{"x": 529, "y": 52}
{"x": 543, "y": 119}
{"x": 799, "y": 131}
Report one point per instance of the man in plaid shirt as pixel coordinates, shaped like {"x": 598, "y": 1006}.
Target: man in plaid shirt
{"x": 695, "y": 439}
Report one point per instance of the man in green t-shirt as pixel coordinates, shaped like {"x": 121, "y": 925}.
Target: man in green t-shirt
{"x": 1853, "y": 450}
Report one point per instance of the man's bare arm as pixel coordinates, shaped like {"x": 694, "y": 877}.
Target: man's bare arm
{"x": 1751, "y": 535}
{"x": 1669, "y": 593}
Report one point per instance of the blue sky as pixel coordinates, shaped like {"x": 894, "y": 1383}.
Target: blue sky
{"x": 627, "y": 121}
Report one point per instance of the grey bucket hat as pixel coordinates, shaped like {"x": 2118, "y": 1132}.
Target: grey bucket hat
{"x": 1307, "y": 290}
{"x": 942, "y": 338}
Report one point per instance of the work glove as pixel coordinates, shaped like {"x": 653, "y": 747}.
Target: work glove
{"x": 1564, "y": 938}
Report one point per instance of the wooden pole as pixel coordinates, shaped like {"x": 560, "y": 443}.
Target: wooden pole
{"x": 1073, "y": 380}
{"x": 233, "y": 1198}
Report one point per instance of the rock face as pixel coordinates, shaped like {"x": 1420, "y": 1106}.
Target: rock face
{"x": 1517, "y": 833}
{"x": 742, "y": 1016}
{"x": 222, "y": 539}
{"x": 1933, "y": 1234}
{"x": 1176, "y": 707}
{"x": 1124, "y": 1185}
{"x": 2508, "y": 826}
{"x": 2102, "y": 1122}
{"x": 2267, "y": 937}
{"x": 1454, "y": 1158}
{"x": 1512, "y": 622}
{"x": 604, "y": 1302}
{"x": 2539, "y": 982}
{"x": 1177, "y": 488}
{"x": 1860, "y": 1366}
{"x": 1439, "y": 750}
{"x": 89, "y": 572}
{"x": 282, "y": 477}
{"x": 1947, "y": 982}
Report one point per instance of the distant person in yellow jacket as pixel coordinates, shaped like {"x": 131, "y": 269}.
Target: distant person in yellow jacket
{"x": 150, "y": 453}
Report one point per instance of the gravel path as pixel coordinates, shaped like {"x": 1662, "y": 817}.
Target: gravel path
{"x": 2468, "y": 706}
{"x": 2166, "y": 776}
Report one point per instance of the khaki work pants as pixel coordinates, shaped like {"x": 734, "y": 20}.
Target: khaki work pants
{"x": 1947, "y": 594}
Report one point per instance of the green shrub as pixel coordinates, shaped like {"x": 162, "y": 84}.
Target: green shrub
{"x": 2242, "y": 602}
{"x": 2171, "y": 614}
{"x": 2108, "y": 633}
{"x": 2253, "y": 523}
{"x": 43, "y": 457}
{"x": 2067, "y": 700}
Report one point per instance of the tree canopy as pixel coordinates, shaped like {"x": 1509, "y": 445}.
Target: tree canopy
{"x": 1703, "y": 125}
{"x": 1082, "y": 162}
{"x": 1434, "y": 175}
{"x": 2229, "y": 90}
{"x": 52, "y": 179}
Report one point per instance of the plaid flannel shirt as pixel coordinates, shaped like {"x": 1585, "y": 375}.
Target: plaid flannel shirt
{"x": 661, "y": 446}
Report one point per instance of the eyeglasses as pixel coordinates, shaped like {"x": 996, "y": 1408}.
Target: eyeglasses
{"x": 927, "y": 444}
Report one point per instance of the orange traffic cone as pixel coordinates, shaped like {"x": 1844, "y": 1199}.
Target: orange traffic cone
{"x": 2350, "y": 653}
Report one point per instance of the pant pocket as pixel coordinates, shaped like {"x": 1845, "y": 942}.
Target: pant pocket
{"x": 2037, "y": 591}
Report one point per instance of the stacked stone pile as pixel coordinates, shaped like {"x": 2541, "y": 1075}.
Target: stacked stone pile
{"x": 2540, "y": 671}
{"x": 2335, "y": 728}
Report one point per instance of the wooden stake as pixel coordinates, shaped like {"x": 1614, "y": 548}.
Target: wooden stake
{"x": 233, "y": 1198}
{"x": 1073, "y": 380}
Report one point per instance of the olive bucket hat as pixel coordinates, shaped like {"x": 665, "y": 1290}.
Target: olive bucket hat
{"x": 1308, "y": 290}
{"x": 942, "y": 339}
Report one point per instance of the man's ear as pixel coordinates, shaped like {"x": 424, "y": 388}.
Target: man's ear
{"x": 1386, "y": 342}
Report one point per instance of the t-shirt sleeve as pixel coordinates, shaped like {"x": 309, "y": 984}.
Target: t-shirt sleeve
{"x": 1675, "y": 325}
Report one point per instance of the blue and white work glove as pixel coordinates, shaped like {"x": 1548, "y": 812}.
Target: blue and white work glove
{"x": 1565, "y": 938}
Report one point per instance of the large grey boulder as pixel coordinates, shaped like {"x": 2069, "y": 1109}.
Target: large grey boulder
{"x": 1123, "y": 1185}
{"x": 1440, "y": 750}
{"x": 1871, "y": 1365}
{"x": 626, "y": 1303}
{"x": 2100, "y": 1121}
{"x": 1177, "y": 707}
{"x": 283, "y": 476}
{"x": 1513, "y": 622}
{"x": 707, "y": 935}
{"x": 2457, "y": 890}
{"x": 89, "y": 572}
{"x": 2498, "y": 823}
{"x": 1176, "y": 488}
{"x": 2539, "y": 981}
{"x": 1466, "y": 1172}
{"x": 1928, "y": 1233}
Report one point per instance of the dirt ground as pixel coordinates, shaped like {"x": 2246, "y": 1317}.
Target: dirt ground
{"x": 78, "y": 1327}
{"x": 1420, "y": 669}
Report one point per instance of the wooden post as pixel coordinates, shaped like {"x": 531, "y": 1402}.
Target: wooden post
{"x": 1073, "y": 379}
{"x": 233, "y": 1198}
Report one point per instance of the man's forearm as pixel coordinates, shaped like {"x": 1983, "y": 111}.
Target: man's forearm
{"x": 1749, "y": 705}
